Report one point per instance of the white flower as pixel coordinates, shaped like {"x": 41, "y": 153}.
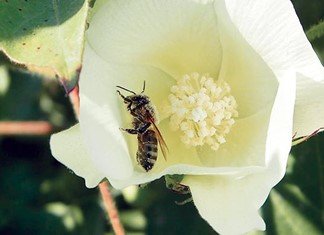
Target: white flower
{"x": 250, "y": 80}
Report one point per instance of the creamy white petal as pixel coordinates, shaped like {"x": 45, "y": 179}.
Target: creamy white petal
{"x": 245, "y": 146}
{"x": 272, "y": 28}
{"x": 100, "y": 119}
{"x": 178, "y": 37}
{"x": 100, "y": 78}
{"x": 252, "y": 81}
{"x": 68, "y": 148}
{"x": 142, "y": 177}
{"x": 280, "y": 129}
{"x": 230, "y": 204}
{"x": 225, "y": 203}
{"x": 104, "y": 141}
{"x": 309, "y": 107}
{"x": 95, "y": 8}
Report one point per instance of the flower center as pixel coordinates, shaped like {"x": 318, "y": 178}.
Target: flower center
{"x": 203, "y": 109}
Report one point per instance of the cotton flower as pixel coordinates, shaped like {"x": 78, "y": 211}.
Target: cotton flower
{"x": 231, "y": 80}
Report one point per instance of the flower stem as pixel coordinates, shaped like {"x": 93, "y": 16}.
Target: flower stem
{"x": 103, "y": 186}
{"x": 75, "y": 100}
{"x": 25, "y": 128}
{"x": 111, "y": 208}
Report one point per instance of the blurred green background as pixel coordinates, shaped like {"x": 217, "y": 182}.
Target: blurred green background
{"x": 38, "y": 195}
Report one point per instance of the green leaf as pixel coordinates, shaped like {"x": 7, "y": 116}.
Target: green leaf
{"x": 288, "y": 217}
{"x": 46, "y": 36}
{"x": 316, "y": 31}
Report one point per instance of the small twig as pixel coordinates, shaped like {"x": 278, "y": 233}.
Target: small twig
{"x": 111, "y": 208}
{"x": 25, "y": 128}
{"x": 304, "y": 138}
{"x": 75, "y": 100}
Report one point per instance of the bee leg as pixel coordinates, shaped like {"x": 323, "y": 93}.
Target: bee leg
{"x": 121, "y": 95}
{"x": 129, "y": 105}
{"x": 130, "y": 131}
{"x": 140, "y": 130}
{"x": 126, "y": 100}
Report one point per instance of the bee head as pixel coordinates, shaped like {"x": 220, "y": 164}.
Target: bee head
{"x": 134, "y": 100}
{"x": 138, "y": 99}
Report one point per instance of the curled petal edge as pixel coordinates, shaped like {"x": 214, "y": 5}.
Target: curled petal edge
{"x": 68, "y": 148}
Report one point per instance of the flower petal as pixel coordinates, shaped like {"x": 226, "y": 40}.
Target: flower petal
{"x": 272, "y": 28}
{"x": 104, "y": 140}
{"x": 230, "y": 204}
{"x": 147, "y": 32}
{"x": 309, "y": 110}
{"x": 245, "y": 146}
{"x": 68, "y": 148}
{"x": 100, "y": 118}
{"x": 280, "y": 129}
{"x": 225, "y": 203}
{"x": 252, "y": 81}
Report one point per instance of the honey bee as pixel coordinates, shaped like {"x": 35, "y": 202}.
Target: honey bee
{"x": 144, "y": 126}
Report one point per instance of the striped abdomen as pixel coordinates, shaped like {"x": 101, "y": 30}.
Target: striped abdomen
{"x": 147, "y": 149}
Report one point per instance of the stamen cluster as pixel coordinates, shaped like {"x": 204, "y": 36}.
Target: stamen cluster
{"x": 203, "y": 109}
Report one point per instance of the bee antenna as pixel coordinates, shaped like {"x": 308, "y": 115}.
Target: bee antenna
{"x": 126, "y": 90}
{"x": 143, "y": 87}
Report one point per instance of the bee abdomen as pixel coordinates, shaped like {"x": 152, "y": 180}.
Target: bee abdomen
{"x": 147, "y": 149}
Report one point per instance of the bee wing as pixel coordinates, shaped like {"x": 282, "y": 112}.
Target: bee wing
{"x": 163, "y": 145}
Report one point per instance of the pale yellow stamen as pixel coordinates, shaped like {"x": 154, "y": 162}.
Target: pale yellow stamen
{"x": 203, "y": 109}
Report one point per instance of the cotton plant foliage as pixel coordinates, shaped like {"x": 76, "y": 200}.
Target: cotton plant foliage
{"x": 232, "y": 82}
